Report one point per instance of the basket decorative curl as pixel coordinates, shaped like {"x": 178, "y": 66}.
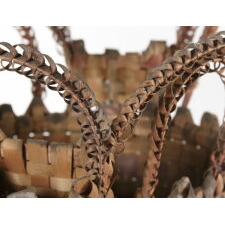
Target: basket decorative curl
{"x": 54, "y": 166}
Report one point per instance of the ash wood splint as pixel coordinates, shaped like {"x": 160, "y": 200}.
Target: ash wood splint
{"x": 88, "y": 167}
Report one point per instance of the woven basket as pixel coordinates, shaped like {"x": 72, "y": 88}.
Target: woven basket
{"x": 56, "y": 169}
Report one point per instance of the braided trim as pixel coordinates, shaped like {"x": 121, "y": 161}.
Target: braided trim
{"x": 183, "y": 63}
{"x": 95, "y": 130}
{"x": 178, "y": 72}
{"x": 28, "y": 36}
{"x": 160, "y": 126}
{"x": 218, "y": 156}
{"x": 207, "y": 31}
{"x": 61, "y": 34}
{"x": 185, "y": 35}
{"x": 168, "y": 103}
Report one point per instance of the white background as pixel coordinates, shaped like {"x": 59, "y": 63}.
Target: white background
{"x": 15, "y": 89}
